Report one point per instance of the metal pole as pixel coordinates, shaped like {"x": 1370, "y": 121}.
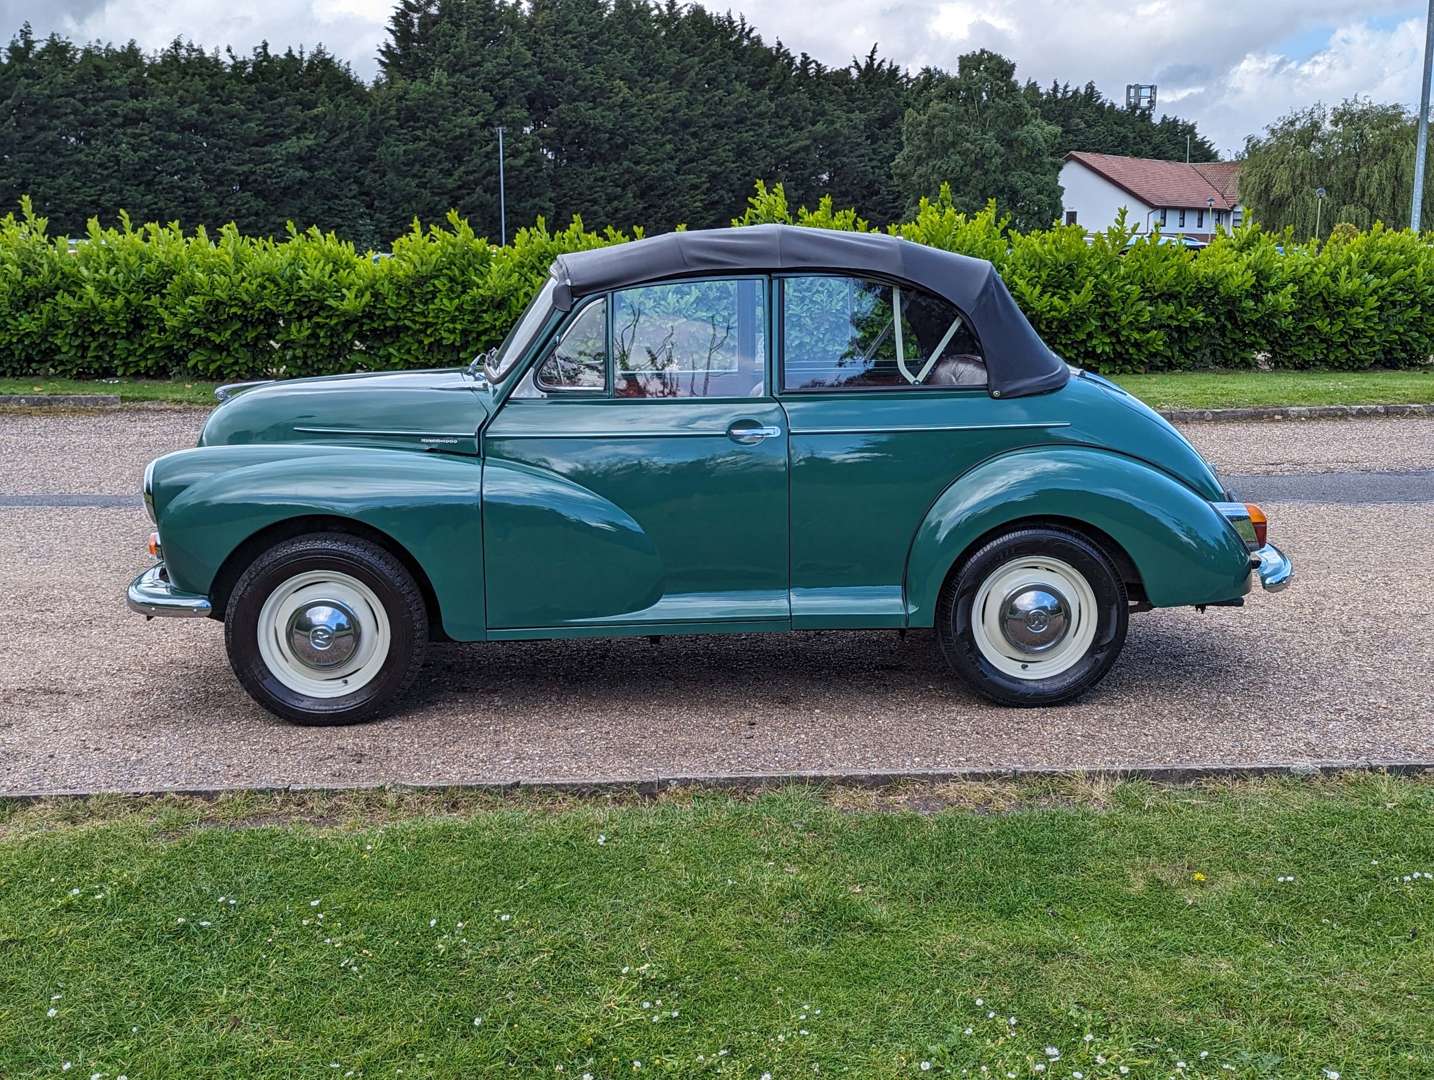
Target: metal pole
{"x": 1421, "y": 146}
{"x": 503, "y": 197}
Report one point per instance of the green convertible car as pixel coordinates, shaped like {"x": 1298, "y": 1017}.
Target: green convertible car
{"x": 731, "y": 431}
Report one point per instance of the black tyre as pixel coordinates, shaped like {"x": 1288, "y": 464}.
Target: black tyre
{"x": 1035, "y": 617}
{"x": 326, "y": 629}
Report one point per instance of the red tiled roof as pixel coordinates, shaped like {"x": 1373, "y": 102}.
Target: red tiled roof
{"x": 1167, "y": 183}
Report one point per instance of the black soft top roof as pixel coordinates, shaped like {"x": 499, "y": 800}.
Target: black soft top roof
{"x": 1018, "y": 362}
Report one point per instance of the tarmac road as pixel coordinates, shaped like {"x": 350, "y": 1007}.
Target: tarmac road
{"x": 1338, "y": 668}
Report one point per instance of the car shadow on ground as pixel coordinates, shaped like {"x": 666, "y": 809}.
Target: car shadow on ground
{"x": 860, "y": 668}
{"x": 1174, "y": 658}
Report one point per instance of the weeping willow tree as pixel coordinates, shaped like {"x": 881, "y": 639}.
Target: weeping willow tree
{"x": 1360, "y": 152}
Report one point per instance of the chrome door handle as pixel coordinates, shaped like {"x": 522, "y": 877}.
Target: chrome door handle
{"x": 754, "y": 434}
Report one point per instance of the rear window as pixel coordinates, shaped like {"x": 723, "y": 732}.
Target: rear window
{"x": 848, "y": 333}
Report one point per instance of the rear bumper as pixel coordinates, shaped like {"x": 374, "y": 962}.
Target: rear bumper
{"x": 152, "y": 594}
{"x": 1274, "y": 567}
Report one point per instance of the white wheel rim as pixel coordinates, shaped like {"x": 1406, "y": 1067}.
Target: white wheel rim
{"x": 315, "y": 590}
{"x": 1023, "y": 578}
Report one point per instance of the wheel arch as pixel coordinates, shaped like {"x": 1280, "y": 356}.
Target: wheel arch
{"x": 1124, "y": 564}
{"x": 1162, "y": 536}
{"x": 250, "y": 548}
{"x": 220, "y": 505}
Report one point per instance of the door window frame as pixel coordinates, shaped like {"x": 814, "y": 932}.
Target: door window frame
{"x": 528, "y": 369}
{"x": 556, "y": 338}
{"x": 779, "y": 294}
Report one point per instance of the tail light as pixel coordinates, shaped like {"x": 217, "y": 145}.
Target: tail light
{"x": 1249, "y": 521}
{"x": 1260, "y": 522}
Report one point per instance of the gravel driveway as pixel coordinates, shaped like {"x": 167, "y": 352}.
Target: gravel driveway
{"x": 1332, "y": 670}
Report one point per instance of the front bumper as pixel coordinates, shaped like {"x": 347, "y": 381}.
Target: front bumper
{"x": 152, "y": 593}
{"x": 1274, "y": 567}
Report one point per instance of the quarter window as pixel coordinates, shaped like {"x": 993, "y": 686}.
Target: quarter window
{"x": 702, "y": 338}
{"x": 578, "y": 359}
{"x": 841, "y": 333}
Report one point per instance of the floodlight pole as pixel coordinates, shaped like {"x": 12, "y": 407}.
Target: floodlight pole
{"x": 502, "y": 194}
{"x": 1421, "y": 145}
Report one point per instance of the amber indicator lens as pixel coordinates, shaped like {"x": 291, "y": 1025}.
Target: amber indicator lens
{"x": 1259, "y": 521}
{"x": 152, "y": 545}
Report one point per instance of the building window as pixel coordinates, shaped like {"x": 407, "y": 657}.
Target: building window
{"x": 1164, "y": 218}
{"x": 1070, "y": 217}
{"x": 1182, "y": 219}
{"x": 1199, "y": 219}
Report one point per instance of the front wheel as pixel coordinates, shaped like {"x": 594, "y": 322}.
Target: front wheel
{"x": 326, "y": 629}
{"x": 1035, "y": 617}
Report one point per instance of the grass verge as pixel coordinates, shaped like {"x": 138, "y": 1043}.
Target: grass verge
{"x": 131, "y": 391}
{"x": 1242, "y": 389}
{"x": 1173, "y": 390}
{"x": 1056, "y": 930}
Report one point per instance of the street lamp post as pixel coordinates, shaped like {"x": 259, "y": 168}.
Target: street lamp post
{"x": 502, "y": 194}
{"x": 1421, "y": 142}
{"x": 1320, "y": 193}
{"x": 1210, "y": 209}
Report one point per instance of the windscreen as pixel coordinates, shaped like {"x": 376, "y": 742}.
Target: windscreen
{"x": 522, "y": 333}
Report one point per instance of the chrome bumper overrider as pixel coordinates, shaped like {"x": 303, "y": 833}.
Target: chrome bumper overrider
{"x": 1274, "y": 567}
{"x": 153, "y": 594}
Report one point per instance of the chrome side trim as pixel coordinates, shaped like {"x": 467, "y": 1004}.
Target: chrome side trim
{"x": 927, "y": 427}
{"x": 1276, "y": 570}
{"x": 794, "y": 431}
{"x": 386, "y": 432}
{"x": 498, "y": 436}
{"x": 152, "y": 594}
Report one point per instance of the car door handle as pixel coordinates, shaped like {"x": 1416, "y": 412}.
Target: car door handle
{"x": 749, "y": 431}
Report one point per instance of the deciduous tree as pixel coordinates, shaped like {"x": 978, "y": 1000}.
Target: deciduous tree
{"x": 1360, "y": 152}
{"x": 978, "y": 132}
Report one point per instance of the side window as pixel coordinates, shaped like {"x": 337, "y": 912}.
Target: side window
{"x": 578, "y": 359}
{"x": 841, "y": 333}
{"x": 690, "y": 339}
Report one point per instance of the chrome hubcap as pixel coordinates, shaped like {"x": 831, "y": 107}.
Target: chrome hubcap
{"x": 323, "y": 634}
{"x": 1035, "y": 618}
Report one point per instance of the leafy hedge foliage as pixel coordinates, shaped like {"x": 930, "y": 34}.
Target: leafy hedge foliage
{"x": 155, "y": 301}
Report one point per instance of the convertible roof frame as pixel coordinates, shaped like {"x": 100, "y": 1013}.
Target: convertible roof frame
{"x": 1018, "y": 362}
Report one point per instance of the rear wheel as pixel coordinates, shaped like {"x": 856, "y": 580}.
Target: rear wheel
{"x": 1035, "y": 617}
{"x": 326, "y": 629}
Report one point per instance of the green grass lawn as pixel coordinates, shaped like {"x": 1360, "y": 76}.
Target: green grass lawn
{"x": 1055, "y": 930}
{"x": 1233, "y": 389}
{"x": 129, "y": 390}
{"x": 1177, "y": 390}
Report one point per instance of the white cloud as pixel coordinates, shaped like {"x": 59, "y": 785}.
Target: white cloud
{"x": 1358, "y": 59}
{"x": 1229, "y": 67}
{"x": 1233, "y": 68}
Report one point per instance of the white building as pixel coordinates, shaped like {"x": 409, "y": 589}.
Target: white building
{"x": 1181, "y": 198}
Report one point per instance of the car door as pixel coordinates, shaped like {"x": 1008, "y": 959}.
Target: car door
{"x": 636, "y": 479}
{"x": 885, "y": 388}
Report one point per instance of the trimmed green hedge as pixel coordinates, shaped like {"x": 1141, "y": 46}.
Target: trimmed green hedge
{"x": 155, "y": 301}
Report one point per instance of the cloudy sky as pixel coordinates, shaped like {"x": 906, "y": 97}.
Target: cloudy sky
{"x": 1231, "y": 67}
